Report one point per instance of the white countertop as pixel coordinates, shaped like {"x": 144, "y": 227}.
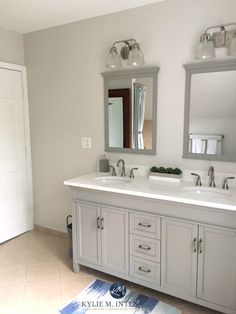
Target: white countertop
{"x": 160, "y": 190}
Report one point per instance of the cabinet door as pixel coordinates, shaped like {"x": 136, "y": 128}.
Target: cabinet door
{"x": 115, "y": 239}
{"x": 89, "y": 235}
{"x": 217, "y": 266}
{"x": 179, "y": 257}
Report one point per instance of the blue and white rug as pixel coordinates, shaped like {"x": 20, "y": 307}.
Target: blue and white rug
{"x": 103, "y": 297}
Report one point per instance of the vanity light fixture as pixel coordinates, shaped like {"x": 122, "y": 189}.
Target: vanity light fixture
{"x": 130, "y": 51}
{"x": 223, "y": 38}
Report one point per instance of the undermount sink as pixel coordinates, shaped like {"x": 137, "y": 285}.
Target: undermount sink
{"x": 112, "y": 180}
{"x": 207, "y": 191}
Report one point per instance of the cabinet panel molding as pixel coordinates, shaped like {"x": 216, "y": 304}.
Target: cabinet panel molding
{"x": 179, "y": 256}
{"x": 115, "y": 246}
{"x": 89, "y": 247}
{"x": 217, "y": 266}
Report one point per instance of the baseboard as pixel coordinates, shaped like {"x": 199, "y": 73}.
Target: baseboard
{"x": 57, "y": 233}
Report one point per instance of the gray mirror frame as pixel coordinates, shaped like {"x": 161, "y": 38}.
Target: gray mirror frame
{"x": 194, "y": 68}
{"x": 138, "y": 72}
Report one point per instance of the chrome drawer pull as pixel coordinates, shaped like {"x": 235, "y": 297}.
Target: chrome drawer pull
{"x": 194, "y": 245}
{"x": 102, "y": 223}
{"x": 147, "y": 248}
{"x": 98, "y": 222}
{"x": 144, "y": 270}
{"x": 200, "y": 246}
{"x": 144, "y": 225}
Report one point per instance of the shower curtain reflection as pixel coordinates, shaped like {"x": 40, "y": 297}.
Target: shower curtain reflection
{"x": 138, "y": 114}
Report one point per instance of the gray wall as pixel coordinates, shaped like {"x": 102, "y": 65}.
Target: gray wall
{"x": 66, "y": 91}
{"x": 12, "y": 47}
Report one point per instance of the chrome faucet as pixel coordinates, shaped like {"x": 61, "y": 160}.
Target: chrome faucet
{"x": 123, "y": 174}
{"x": 211, "y": 174}
{"x": 131, "y": 175}
{"x": 113, "y": 170}
{"x": 198, "y": 180}
{"x": 225, "y": 184}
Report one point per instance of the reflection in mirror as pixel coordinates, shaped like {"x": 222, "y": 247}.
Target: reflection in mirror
{"x": 210, "y": 124}
{"x": 130, "y": 110}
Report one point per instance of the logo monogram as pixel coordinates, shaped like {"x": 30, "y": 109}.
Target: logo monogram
{"x": 117, "y": 290}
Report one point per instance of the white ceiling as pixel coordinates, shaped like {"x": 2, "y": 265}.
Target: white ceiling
{"x": 25, "y": 16}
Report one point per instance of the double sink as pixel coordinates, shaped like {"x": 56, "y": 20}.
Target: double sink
{"x": 194, "y": 191}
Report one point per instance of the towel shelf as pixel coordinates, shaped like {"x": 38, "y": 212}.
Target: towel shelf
{"x": 206, "y": 136}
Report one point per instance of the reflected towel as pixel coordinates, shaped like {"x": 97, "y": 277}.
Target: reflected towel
{"x": 198, "y": 146}
{"x": 212, "y": 147}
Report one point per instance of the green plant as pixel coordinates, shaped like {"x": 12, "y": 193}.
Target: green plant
{"x": 168, "y": 170}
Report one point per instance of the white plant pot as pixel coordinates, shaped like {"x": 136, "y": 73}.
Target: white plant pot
{"x": 165, "y": 177}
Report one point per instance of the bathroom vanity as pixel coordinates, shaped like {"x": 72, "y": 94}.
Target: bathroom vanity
{"x": 174, "y": 238}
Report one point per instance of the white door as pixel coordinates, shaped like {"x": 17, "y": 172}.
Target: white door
{"x": 114, "y": 227}
{"x": 16, "y": 216}
{"x": 179, "y": 257}
{"x": 89, "y": 238}
{"x": 217, "y": 266}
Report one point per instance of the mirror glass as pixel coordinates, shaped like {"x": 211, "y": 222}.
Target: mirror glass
{"x": 130, "y": 111}
{"x": 210, "y": 124}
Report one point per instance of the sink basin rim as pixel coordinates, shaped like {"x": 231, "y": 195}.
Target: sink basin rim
{"x": 112, "y": 179}
{"x": 202, "y": 190}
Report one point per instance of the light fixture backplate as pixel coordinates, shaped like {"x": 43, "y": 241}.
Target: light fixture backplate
{"x": 124, "y": 52}
{"x": 223, "y": 39}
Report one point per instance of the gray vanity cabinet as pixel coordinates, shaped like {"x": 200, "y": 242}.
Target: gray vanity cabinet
{"x": 189, "y": 259}
{"x": 102, "y": 237}
{"x": 202, "y": 256}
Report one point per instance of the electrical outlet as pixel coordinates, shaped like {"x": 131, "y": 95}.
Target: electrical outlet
{"x": 86, "y": 142}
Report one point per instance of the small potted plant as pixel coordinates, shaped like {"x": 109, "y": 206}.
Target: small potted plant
{"x": 165, "y": 174}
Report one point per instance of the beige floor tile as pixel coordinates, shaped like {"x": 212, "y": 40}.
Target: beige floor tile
{"x": 42, "y": 259}
{"x": 40, "y": 294}
{"x": 11, "y": 300}
{"x": 42, "y": 274}
{"x": 13, "y": 274}
{"x": 79, "y": 283}
{"x": 196, "y": 309}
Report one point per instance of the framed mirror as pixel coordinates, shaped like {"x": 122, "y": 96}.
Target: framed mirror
{"x": 130, "y": 100}
{"x": 210, "y": 111}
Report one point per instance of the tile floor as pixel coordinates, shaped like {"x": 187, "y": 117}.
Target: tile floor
{"x": 36, "y": 277}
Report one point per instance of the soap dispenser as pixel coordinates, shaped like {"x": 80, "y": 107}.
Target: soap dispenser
{"x": 104, "y": 164}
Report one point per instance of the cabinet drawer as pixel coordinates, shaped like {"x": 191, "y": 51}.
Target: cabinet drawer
{"x": 145, "y": 270}
{"x": 146, "y": 225}
{"x": 145, "y": 247}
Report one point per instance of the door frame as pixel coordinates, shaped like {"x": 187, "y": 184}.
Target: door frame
{"x": 22, "y": 70}
{"x": 125, "y": 94}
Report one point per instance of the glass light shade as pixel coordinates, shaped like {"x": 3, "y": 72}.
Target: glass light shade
{"x": 135, "y": 55}
{"x": 206, "y": 48}
{"x": 113, "y": 60}
{"x": 232, "y": 47}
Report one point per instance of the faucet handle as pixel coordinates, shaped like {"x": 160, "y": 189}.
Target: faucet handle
{"x": 198, "y": 181}
{"x": 225, "y": 182}
{"x": 113, "y": 170}
{"x": 131, "y": 175}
